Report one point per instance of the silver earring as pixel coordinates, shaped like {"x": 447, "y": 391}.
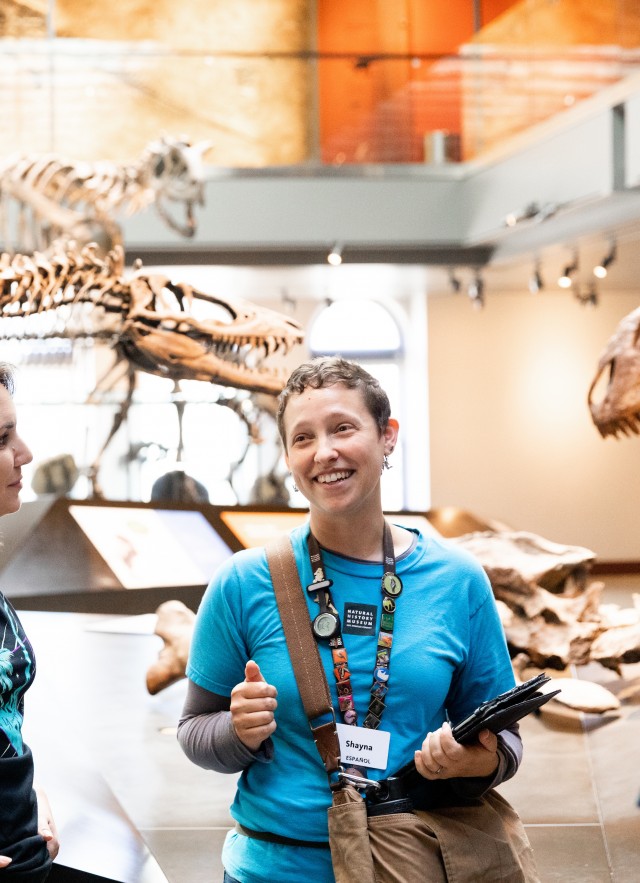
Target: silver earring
{"x": 295, "y": 488}
{"x": 385, "y": 462}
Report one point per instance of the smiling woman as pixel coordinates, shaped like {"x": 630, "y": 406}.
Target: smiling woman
{"x": 408, "y": 633}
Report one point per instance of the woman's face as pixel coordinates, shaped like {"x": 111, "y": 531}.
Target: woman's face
{"x": 334, "y": 448}
{"x": 14, "y": 454}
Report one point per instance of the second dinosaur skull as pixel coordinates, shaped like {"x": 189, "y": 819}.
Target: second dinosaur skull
{"x": 618, "y": 411}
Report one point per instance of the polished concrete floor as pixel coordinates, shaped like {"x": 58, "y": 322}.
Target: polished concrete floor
{"x": 576, "y": 791}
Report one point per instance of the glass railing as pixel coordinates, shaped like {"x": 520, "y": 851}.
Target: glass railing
{"x": 94, "y": 100}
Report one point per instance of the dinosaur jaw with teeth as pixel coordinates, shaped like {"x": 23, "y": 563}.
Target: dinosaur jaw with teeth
{"x": 174, "y": 331}
{"x": 167, "y": 353}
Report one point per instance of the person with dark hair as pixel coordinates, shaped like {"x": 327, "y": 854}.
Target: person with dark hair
{"x": 413, "y": 639}
{"x": 178, "y": 487}
{"x": 28, "y": 836}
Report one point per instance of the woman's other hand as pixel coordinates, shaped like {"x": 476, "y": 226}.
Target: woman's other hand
{"x": 4, "y": 861}
{"x": 441, "y": 757}
{"x": 46, "y": 824}
{"x": 253, "y": 703}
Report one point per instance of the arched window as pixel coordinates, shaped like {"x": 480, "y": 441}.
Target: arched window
{"x": 365, "y": 330}
{"x": 359, "y": 329}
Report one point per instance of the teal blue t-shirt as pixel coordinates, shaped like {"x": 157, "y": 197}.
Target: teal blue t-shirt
{"x": 449, "y": 654}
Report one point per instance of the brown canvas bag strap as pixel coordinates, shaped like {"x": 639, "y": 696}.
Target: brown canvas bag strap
{"x": 303, "y": 650}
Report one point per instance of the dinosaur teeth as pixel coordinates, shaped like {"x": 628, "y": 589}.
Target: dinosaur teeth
{"x": 623, "y": 426}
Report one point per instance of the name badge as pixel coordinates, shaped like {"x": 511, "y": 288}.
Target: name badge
{"x": 363, "y": 747}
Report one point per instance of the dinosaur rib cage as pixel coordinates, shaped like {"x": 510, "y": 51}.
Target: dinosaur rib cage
{"x": 160, "y": 327}
{"x": 71, "y": 184}
{"x": 44, "y": 298}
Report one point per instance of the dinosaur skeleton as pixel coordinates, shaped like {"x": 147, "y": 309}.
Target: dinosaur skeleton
{"x": 59, "y": 201}
{"x": 155, "y": 325}
{"x": 619, "y": 409}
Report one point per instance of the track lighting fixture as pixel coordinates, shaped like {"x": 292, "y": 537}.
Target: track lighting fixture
{"x": 454, "y": 281}
{"x": 523, "y": 214}
{"x": 335, "y": 255}
{"x": 602, "y": 268}
{"x": 536, "y": 282}
{"x": 476, "y": 291}
{"x": 565, "y": 280}
{"x": 531, "y": 212}
{"x": 288, "y": 302}
{"x": 590, "y": 298}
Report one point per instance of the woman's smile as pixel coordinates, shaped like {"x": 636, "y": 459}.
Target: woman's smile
{"x": 332, "y": 477}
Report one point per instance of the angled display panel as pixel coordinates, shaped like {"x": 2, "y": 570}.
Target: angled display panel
{"x": 153, "y": 547}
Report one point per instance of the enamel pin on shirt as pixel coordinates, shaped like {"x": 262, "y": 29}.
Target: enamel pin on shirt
{"x": 326, "y": 626}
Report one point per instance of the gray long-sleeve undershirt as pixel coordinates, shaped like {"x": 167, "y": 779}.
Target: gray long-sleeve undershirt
{"x": 208, "y": 738}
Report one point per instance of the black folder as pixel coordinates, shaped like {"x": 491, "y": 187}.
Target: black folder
{"x": 494, "y": 714}
{"x": 506, "y": 709}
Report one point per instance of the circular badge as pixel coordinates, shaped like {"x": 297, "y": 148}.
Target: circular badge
{"x": 381, "y": 674}
{"x": 392, "y": 584}
{"x": 326, "y": 625}
{"x": 388, "y": 605}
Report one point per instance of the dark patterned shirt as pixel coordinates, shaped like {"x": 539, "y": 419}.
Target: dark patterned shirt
{"x": 17, "y": 671}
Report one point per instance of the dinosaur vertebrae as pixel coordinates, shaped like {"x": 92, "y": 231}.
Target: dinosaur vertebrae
{"x": 618, "y": 411}
{"x": 62, "y": 200}
{"x": 159, "y": 326}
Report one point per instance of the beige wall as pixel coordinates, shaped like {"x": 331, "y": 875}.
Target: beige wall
{"x": 511, "y": 433}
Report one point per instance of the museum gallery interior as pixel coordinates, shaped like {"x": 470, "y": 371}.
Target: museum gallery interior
{"x": 195, "y": 198}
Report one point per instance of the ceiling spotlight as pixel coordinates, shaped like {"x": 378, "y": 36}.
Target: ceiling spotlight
{"x": 335, "y": 255}
{"x": 523, "y": 214}
{"x": 531, "y": 212}
{"x": 548, "y": 210}
{"x": 476, "y": 291}
{"x": 602, "y": 268}
{"x": 590, "y": 298}
{"x": 288, "y": 302}
{"x": 536, "y": 282}
{"x": 565, "y": 281}
{"x": 454, "y": 282}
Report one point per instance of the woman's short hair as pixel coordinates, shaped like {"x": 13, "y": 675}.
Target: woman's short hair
{"x": 7, "y": 377}
{"x": 327, "y": 371}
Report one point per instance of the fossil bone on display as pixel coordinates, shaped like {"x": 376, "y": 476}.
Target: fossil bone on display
{"x": 58, "y": 201}
{"x": 551, "y": 613}
{"x": 618, "y": 411}
{"x": 174, "y": 624}
{"x": 154, "y": 324}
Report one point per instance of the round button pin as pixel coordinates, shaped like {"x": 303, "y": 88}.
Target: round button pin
{"x": 392, "y": 584}
{"x": 326, "y": 625}
{"x": 388, "y": 605}
{"x": 381, "y": 674}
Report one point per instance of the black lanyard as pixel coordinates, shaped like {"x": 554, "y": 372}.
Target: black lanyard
{"x": 326, "y": 626}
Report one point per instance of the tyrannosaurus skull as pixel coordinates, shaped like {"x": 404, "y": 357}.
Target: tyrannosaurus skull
{"x": 618, "y": 411}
